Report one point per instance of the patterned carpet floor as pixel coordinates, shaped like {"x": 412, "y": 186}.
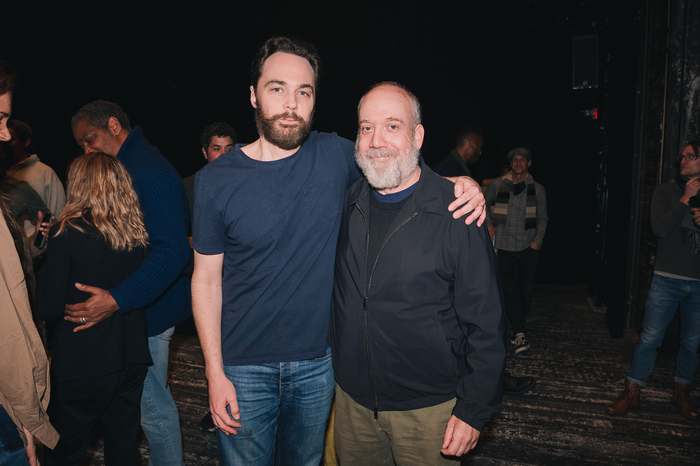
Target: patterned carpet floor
{"x": 561, "y": 421}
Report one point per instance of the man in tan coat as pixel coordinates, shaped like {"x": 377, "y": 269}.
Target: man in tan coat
{"x": 24, "y": 383}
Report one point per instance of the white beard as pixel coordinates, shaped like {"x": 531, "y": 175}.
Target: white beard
{"x": 388, "y": 172}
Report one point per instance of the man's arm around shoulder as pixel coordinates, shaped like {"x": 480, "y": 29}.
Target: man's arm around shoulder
{"x": 166, "y": 213}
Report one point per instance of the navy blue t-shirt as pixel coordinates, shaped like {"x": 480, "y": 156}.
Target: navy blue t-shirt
{"x": 277, "y": 224}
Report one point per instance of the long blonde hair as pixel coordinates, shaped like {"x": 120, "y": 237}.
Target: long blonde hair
{"x": 101, "y": 193}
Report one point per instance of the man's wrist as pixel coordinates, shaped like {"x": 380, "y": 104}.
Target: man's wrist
{"x": 214, "y": 372}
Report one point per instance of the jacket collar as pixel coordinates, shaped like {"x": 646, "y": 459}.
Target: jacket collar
{"x": 428, "y": 196}
{"x": 460, "y": 160}
{"x": 26, "y": 163}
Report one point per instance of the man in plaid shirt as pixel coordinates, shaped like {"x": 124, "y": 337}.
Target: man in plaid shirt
{"x": 517, "y": 224}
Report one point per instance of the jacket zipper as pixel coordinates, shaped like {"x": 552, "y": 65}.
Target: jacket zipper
{"x": 366, "y": 298}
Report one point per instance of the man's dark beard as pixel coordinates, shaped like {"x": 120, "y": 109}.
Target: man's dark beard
{"x": 285, "y": 140}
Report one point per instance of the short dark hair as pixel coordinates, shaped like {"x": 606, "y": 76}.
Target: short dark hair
{"x": 219, "y": 129}
{"x": 284, "y": 45}
{"x": 23, "y": 132}
{"x": 99, "y": 113}
{"x": 22, "y": 129}
{"x": 468, "y": 133}
{"x": 696, "y": 147}
{"x": 8, "y": 77}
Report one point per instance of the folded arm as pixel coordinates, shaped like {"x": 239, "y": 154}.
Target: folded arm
{"x": 666, "y": 214}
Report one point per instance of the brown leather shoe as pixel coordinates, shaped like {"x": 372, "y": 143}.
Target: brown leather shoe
{"x": 681, "y": 398}
{"x": 627, "y": 400}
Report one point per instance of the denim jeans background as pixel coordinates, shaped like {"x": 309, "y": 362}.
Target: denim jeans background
{"x": 664, "y": 297}
{"x": 12, "y": 452}
{"x": 284, "y": 408}
{"x": 159, "y": 418}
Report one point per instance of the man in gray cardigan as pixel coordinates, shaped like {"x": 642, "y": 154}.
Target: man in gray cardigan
{"x": 676, "y": 282}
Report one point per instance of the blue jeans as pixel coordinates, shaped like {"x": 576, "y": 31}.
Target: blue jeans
{"x": 159, "y": 419}
{"x": 12, "y": 452}
{"x": 664, "y": 297}
{"x": 284, "y": 408}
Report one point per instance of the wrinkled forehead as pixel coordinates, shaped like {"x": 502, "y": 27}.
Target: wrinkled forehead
{"x": 83, "y": 127}
{"x": 689, "y": 149}
{"x": 386, "y": 103}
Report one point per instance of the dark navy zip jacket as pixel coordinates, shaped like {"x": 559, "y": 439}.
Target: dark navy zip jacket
{"x": 429, "y": 326}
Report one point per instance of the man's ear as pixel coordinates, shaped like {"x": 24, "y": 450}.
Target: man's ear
{"x": 113, "y": 126}
{"x": 418, "y": 135}
{"x": 204, "y": 151}
{"x": 253, "y": 97}
{"x": 27, "y": 142}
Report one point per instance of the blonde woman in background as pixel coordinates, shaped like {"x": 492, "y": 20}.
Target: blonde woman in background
{"x": 97, "y": 373}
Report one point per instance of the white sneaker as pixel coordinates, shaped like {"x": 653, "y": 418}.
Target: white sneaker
{"x": 521, "y": 344}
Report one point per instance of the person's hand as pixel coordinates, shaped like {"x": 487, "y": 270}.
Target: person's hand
{"x": 470, "y": 197}
{"x": 492, "y": 231}
{"x": 535, "y": 246}
{"x": 31, "y": 448}
{"x": 43, "y": 227}
{"x": 93, "y": 311}
{"x": 696, "y": 215}
{"x": 460, "y": 437}
{"x": 222, "y": 394}
{"x": 691, "y": 189}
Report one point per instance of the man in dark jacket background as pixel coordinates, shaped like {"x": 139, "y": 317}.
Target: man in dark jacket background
{"x": 158, "y": 283}
{"x": 417, "y": 330}
{"x": 468, "y": 142}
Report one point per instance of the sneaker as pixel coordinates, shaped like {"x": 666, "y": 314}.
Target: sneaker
{"x": 511, "y": 337}
{"x": 207, "y": 423}
{"x": 521, "y": 344}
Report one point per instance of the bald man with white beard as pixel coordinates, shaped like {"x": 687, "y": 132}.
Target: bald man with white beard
{"x": 417, "y": 330}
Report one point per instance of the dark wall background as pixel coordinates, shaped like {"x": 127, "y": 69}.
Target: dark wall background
{"x": 504, "y": 65}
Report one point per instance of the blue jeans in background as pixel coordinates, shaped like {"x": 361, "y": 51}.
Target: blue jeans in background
{"x": 664, "y": 297}
{"x": 159, "y": 419}
{"x": 12, "y": 452}
{"x": 284, "y": 408}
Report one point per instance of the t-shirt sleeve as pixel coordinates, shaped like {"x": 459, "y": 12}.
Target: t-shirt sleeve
{"x": 208, "y": 229}
{"x": 348, "y": 148}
